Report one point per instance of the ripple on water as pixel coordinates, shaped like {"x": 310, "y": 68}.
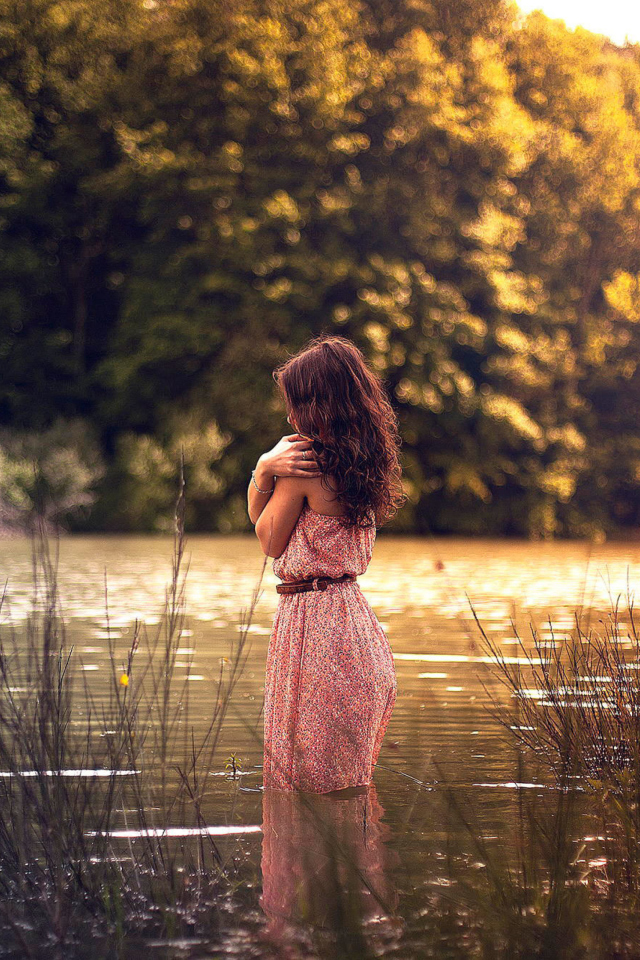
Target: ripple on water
{"x": 427, "y": 615}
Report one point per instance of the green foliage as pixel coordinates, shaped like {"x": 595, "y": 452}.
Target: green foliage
{"x": 146, "y": 471}
{"x": 189, "y": 191}
{"x": 48, "y": 475}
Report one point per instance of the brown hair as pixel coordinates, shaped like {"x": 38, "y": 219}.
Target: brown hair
{"x": 341, "y": 405}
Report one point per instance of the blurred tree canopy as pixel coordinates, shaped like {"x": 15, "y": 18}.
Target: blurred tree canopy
{"x": 190, "y": 189}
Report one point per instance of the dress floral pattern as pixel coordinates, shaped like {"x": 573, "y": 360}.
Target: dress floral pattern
{"x": 330, "y": 684}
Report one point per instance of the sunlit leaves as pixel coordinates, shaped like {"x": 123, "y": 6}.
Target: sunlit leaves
{"x": 189, "y": 191}
{"x": 623, "y": 293}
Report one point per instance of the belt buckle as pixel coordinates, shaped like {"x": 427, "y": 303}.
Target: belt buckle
{"x": 317, "y": 581}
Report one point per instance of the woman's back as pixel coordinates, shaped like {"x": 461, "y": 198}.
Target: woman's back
{"x": 330, "y": 680}
{"x": 322, "y": 545}
{"x": 322, "y": 496}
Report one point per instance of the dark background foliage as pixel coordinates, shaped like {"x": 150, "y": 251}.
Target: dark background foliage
{"x": 190, "y": 189}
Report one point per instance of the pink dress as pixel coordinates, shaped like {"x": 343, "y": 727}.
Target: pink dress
{"x": 330, "y": 683}
{"x": 304, "y": 879}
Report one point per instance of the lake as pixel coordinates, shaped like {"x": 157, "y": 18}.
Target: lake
{"x": 447, "y": 767}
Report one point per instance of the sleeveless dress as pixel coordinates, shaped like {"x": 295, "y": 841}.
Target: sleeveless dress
{"x": 330, "y": 683}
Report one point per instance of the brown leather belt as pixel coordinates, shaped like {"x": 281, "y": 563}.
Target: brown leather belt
{"x": 318, "y": 583}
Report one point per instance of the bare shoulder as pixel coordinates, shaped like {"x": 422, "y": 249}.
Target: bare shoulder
{"x": 321, "y": 495}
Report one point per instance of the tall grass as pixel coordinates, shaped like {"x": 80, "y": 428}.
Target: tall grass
{"x": 74, "y": 765}
{"x": 78, "y": 761}
{"x": 574, "y": 707}
{"x": 557, "y": 877}
{"x": 93, "y": 774}
{"x": 538, "y": 887}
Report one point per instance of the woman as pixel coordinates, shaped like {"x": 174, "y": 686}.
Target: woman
{"x": 330, "y": 683}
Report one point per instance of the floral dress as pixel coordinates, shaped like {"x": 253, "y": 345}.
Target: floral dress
{"x": 330, "y": 683}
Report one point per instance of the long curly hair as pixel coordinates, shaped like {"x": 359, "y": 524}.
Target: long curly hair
{"x": 340, "y": 404}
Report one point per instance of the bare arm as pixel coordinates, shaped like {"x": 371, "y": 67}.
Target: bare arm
{"x": 284, "y": 460}
{"x": 258, "y": 501}
{"x": 277, "y": 520}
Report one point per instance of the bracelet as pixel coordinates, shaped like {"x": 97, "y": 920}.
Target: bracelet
{"x": 253, "y": 479}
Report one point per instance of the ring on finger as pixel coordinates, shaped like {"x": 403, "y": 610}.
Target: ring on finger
{"x": 304, "y": 454}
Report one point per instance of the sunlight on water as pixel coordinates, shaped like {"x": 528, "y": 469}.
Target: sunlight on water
{"x": 461, "y": 658}
{"x": 72, "y": 773}
{"x": 441, "y": 733}
{"x": 178, "y": 832}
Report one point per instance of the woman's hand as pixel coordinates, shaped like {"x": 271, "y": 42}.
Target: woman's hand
{"x": 286, "y": 459}
{"x": 283, "y": 460}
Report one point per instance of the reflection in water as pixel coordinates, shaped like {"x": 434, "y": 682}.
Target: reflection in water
{"x": 161, "y": 832}
{"x": 441, "y": 715}
{"x": 89, "y": 774}
{"x": 325, "y": 864}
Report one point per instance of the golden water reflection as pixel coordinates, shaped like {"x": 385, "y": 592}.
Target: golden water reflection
{"x": 420, "y": 589}
{"x": 440, "y": 732}
{"x": 325, "y": 864}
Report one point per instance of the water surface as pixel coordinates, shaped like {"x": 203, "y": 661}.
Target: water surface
{"x": 441, "y": 732}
